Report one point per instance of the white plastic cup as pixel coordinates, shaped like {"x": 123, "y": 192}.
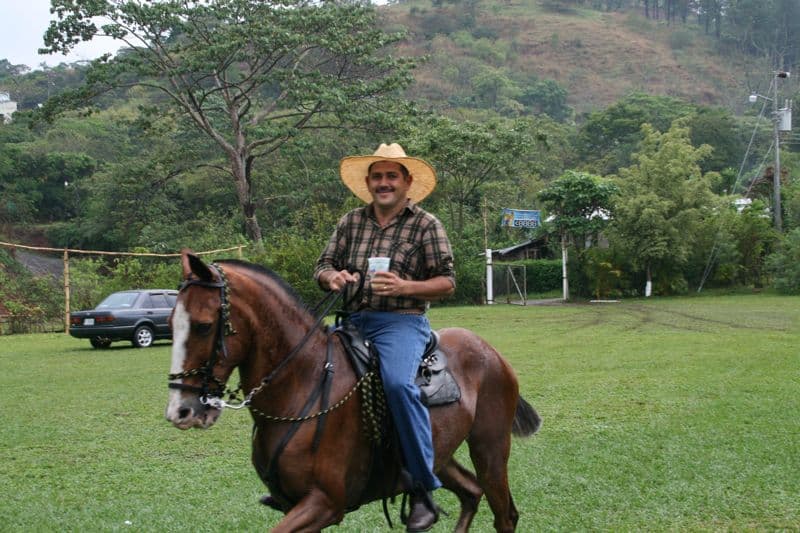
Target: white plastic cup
{"x": 378, "y": 264}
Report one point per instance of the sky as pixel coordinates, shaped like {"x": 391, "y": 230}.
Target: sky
{"x": 22, "y": 25}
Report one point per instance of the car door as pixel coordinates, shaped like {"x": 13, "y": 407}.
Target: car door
{"x": 158, "y": 310}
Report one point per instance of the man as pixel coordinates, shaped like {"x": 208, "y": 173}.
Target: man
{"x": 391, "y": 309}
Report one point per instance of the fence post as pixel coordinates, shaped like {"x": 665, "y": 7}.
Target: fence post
{"x": 489, "y": 278}
{"x": 66, "y": 291}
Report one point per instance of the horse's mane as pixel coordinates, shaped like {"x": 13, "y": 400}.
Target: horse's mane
{"x": 274, "y": 276}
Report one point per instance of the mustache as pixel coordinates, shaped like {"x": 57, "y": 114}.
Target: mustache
{"x": 385, "y": 188}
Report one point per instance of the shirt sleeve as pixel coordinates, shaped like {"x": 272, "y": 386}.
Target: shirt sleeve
{"x": 333, "y": 254}
{"x": 438, "y": 253}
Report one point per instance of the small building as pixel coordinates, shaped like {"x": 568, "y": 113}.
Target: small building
{"x": 530, "y": 249}
{"x": 7, "y": 107}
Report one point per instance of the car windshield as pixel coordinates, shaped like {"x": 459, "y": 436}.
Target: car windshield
{"x": 119, "y": 300}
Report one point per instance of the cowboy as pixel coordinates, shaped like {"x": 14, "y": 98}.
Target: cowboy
{"x": 391, "y": 309}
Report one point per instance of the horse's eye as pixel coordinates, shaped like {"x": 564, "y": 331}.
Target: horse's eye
{"x": 202, "y": 328}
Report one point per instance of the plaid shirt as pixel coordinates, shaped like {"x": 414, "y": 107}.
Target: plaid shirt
{"x": 415, "y": 241}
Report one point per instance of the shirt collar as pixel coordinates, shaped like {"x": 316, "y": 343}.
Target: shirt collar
{"x": 410, "y": 208}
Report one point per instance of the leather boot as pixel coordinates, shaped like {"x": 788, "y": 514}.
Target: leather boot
{"x": 423, "y": 511}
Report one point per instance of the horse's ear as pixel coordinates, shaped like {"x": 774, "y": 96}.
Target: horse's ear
{"x": 194, "y": 265}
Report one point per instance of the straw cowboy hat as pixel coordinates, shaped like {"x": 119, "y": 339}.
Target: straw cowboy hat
{"x": 353, "y": 171}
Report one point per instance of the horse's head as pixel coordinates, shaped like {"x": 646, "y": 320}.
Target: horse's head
{"x": 201, "y": 364}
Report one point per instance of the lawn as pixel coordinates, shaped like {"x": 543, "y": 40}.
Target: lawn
{"x": 673, "y": 414}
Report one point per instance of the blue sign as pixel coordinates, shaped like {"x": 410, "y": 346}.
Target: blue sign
{"x": 521, "y": 218}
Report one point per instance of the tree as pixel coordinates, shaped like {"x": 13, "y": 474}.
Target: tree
{"x": 251, "y": 76}
{"x": 548, "y": 97}
{"x": 9, "y": 70}
{"x": 662, "y": 200}
{"x": 711, "y": 11}
{"x": 609, "y": 137}
{"x": 768, "y": 28}
{"x": 578, "y": 202}
{"x": 716, "y": 127}
{"x": 468, "y": 155}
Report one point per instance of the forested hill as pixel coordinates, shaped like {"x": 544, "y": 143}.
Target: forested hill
{"x": 551, "y": 56}
{"x": 506, "y": 53}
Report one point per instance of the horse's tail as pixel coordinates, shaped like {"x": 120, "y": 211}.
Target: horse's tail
{"x": 526, "y": 420}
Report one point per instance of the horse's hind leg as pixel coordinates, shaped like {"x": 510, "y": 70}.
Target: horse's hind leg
{"x": 490, "y": 457}
{"x": 463, "y": 484}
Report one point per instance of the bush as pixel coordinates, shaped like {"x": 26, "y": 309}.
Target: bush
{"x": 541, "y": 275}
{"x": 470, "y": 280}
{"x": 38, "y": 299}
{"x": 603, "y": 275}
{"x": 680, "y": 39}
{"x": 294, "y": 258}
{"x": 784, "y": 265}
{"x": 438, "y": 23}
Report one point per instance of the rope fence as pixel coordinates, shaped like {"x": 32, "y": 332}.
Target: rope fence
{"x": 67, "y": 251}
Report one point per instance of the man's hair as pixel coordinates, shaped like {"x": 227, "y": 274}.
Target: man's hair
{"x": 403, "y": 169}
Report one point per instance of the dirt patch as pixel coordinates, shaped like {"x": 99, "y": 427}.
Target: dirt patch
{"x": 40, "y": 264}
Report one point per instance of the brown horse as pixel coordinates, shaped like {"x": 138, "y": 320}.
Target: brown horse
{"x": 310, "y": 445}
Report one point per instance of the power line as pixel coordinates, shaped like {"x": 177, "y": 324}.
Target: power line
{"x": 712, "y": 256}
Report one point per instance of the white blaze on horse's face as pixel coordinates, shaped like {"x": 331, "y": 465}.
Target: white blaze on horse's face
{"x": 184, "y": 409}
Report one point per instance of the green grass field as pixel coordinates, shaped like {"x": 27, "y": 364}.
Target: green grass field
{"x": 677, "y": 414}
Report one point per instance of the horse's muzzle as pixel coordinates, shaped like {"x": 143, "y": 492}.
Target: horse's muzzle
{"x": 186, "y": 411}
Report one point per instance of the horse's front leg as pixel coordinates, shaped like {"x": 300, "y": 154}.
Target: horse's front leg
{"x": 313, "y": 513}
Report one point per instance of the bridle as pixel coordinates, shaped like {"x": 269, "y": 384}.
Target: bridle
{"x": 214, "y": 398}
{"x": 219, "y": 351}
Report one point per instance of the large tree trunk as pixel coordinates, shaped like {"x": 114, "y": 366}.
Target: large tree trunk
{"x": 244, "y": 193}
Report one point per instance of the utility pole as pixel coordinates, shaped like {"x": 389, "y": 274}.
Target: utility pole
{"x": 776, "y": 177}
{"x": 781, "y": 121}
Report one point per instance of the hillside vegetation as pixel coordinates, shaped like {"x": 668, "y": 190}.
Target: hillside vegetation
{"x": 596, "y": 56}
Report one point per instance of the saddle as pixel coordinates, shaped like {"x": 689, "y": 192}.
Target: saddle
{"x": 436, "y": 383}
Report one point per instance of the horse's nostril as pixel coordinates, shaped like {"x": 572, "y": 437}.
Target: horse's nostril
{"x": 184, "y": 412}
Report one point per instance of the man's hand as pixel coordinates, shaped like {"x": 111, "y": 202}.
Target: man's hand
{"x": 386, "y": 284}
{"x": 336, "y": 280}
{"x": 390, "y": 284}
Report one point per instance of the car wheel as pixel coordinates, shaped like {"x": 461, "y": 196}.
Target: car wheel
{"x": 100, "y": 342}
{"x": 143, "y": 337}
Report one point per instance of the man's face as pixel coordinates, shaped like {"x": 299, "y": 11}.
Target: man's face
{"x": 387, "y": 184}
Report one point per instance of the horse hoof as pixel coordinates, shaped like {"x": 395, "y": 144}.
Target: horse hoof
{"x": 271, "y": 502}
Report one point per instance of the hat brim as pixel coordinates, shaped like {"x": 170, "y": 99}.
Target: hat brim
{"x": 353, "y": 171}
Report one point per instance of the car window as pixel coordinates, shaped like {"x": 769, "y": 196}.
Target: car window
{"x": 119, "y": 300}
{"x": 158, "y": 301}
{"x": 171, "y": 299}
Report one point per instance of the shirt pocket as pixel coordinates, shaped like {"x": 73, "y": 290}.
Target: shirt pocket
{"x": 407, "y": 261}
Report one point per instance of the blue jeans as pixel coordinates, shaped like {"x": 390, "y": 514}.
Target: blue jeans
{"x": 400, "y": 340}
